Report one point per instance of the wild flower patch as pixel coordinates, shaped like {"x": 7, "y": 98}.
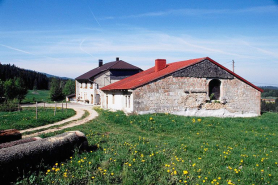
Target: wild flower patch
{"x": 169, "y": 149}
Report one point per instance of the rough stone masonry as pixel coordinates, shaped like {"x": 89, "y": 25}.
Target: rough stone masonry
{"x": 186, "y": 92}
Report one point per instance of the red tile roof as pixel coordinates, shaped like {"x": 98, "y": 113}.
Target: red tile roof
{"x": 150, "y": 75}
{"x": 110, "y": 65}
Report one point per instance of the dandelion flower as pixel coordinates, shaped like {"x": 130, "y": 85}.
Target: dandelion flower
{"x": 185, "y": 172}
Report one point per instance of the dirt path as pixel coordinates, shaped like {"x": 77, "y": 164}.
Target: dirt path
{"x": 74, "y": 120}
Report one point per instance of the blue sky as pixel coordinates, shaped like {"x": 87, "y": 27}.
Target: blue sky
{"x": 66, "y": 38}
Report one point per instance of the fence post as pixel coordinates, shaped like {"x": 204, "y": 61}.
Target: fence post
{"x": 62, "y": 107}
{"x": 36, "y": 110}
{"x": 55, "y": 109}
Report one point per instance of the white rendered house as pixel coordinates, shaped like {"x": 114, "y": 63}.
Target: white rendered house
{"x": 88, "y": 85}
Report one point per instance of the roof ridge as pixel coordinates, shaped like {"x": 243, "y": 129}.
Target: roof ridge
{"x": 149, "y": 75}
{"x": 114, "y": 64}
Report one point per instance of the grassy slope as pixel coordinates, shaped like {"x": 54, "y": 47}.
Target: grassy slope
{"x": 37, "y": 96}
{"x": 27, "y": 118}
{"x": 168, "y": 149}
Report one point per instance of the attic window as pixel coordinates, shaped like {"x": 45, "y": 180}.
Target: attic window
{"x": 214, "y": 89}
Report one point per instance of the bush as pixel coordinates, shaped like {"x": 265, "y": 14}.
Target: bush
{"x": 9, "y": 106}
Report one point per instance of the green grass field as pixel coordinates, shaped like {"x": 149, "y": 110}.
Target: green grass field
{"x": 169, "y": 149}
{"x": 37, "y": 96}
{"x": 27, "y": 118}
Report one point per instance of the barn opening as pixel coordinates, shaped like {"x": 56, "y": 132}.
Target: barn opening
{"x": 214, "y": 89}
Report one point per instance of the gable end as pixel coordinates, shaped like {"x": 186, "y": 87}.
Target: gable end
{"x": 204, "y": 69}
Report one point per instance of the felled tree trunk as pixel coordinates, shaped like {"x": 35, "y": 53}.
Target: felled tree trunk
{"x": 18, "y": 142}
{"x": 17, "y": 159}
{"x": 9, "y": 135}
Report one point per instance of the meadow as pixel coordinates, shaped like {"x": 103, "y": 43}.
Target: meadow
{"x": 169, "y": 149}
{"x": 27, "y": 117}
{"x": 34, "y": 96}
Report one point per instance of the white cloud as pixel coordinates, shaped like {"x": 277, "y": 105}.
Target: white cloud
{"x": 71, "y": 55}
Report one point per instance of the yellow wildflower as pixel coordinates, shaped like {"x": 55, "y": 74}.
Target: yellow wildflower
{"x": 185, "y": 172}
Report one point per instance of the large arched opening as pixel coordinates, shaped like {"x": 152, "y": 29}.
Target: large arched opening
{"x": 214, "y": 89}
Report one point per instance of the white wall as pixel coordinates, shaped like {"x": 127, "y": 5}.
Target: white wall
{"x": 122, "y": 101}
{"x": 84, "y": 91}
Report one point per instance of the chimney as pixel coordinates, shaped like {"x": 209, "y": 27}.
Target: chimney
{"x": 100, "y": 62}
{"x": 160, "y": 64}
{"x": 117, "y": 58}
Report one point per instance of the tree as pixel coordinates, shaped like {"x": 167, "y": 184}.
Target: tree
{"x": 56, "y": 90}
{"x": 1, "y": 90}
{"x": 10, "y": 89}
{"x": 15, "y": 89}
{"x": 69, "y": 87}
{"x": 21, "y": 89}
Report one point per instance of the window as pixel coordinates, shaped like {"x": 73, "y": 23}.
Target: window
{"x": 113, "y": 98}
{"x": 128, "y": 101}
{"x": 214, "y": 89}
{"x": 85, "y": 96}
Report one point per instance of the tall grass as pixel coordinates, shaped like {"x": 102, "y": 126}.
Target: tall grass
{"x": 169, "y": 149}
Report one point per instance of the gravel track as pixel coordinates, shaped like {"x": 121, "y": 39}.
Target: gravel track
{"x": 74, "y": 120}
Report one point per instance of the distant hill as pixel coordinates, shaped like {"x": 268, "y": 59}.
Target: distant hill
{"x": 53, "y": 76}
{"x": 269, "y": 91}
{"x": 269, "y": 87}
{"x": 32, "y": 79}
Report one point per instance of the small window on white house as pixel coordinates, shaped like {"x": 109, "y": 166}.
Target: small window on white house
{"x": 214, "y": 89}
{"x": 128, "y": 97}
{"x": 113, "y": 98}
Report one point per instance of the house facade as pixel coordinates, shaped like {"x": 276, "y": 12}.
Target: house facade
{"x": 197, "y": 87}
{"x": 88, "y": 85}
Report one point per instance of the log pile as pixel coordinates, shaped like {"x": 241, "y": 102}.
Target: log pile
{"x": 18, "y": 142}
{"x": 16, "y": 159}
{"x": 9, "y": 135}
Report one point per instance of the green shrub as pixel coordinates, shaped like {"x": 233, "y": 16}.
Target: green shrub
{"x": 9, "y": 106}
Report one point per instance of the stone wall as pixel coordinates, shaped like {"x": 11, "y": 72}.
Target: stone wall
{"x": 189, "y": 96}
{"x": 170, "y": 94}
{"x": 241, "y": 97}
{"x": 204, "y": 69}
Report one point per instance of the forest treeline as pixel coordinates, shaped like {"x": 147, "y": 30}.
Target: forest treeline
{"x": 31, "y": 79}
{"x": 15, "y": 83}
{"x": 270, "y": 92}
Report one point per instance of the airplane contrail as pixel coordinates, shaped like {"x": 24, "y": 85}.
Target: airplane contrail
{"x": 80, "y": 47}
{"x": 16, "y": 49}
{"x": 94, "y": 16}
{"x": 26, "y": 52}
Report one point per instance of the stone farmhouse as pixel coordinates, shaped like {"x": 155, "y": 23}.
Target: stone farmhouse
{"x": 197, "y": 87}
{"x": 87, "y": 85}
